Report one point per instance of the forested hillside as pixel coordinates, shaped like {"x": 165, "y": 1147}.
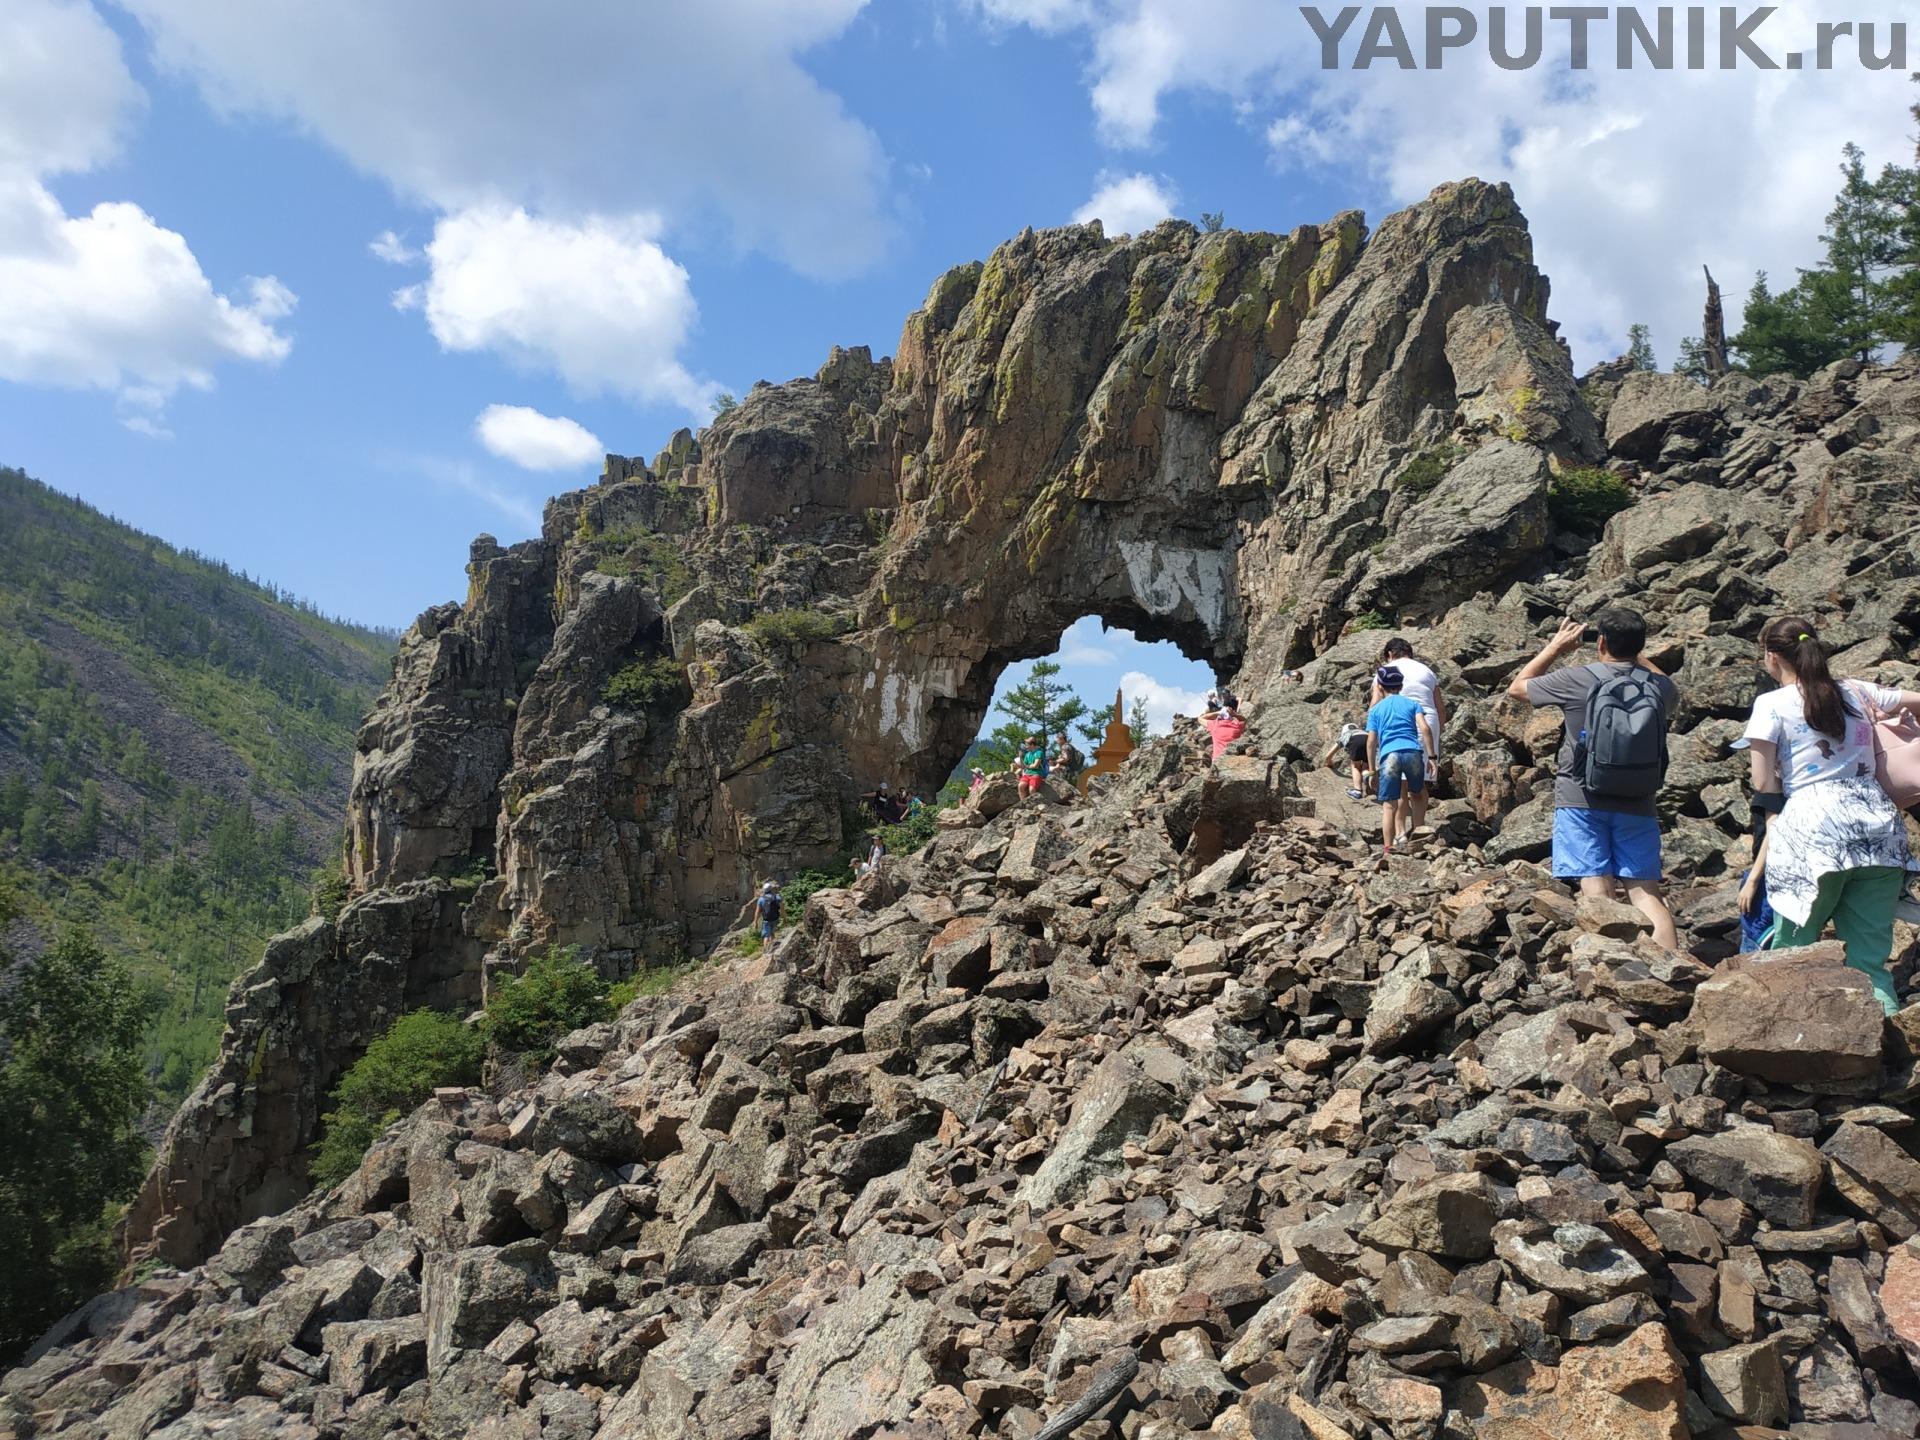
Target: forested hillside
{"x": 175, "y": 740}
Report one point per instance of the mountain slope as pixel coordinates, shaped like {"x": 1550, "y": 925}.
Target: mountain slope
{"x": 174, "y": 743}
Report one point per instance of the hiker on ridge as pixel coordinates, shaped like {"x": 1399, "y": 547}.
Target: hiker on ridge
{"x": 1837, "y": 850}
{"x": 1612, "y": 760}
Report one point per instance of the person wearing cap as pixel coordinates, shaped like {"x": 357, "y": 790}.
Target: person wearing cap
{"x": 1223, "y": 721}
{"x": 979, "y": 779}
{"x": 767, "y": 908}
{"x": 887, "y": 807}
{"x": 1601, "y": 839}
{"x": 1418, "y": 683}
{"x": 1032, "y": 765}
{"x": 1399, "y": 748}
{"x": 1351, "y": 745}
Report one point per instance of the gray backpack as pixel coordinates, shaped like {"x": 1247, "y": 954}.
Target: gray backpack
{"x": 1625, "y": 740}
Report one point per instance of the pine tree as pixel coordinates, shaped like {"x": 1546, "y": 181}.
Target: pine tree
{"x": 1851, "y": 305}
{"x": 1900, "y": 187}
{"x": 1691, "y": 360}
{"x": 1640, "y": 348}
{"x": 72, "y": 1091}
{"x": 1043, "y": 705}
{"x": 1137, "y": 720}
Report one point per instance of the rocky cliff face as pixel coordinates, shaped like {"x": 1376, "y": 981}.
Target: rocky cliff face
{"x": 1240, "y": 442}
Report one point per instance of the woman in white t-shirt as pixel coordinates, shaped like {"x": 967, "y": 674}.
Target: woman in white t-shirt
{"x": 1838, "y": 849}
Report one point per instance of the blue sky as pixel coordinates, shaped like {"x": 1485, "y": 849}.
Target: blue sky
{"x": 602, "y": 212}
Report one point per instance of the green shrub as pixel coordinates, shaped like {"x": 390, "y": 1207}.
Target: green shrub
{"x": 802, "y": 888}
{"x": 659, "y": 683}
{"x": 790, "y": 628}
{"x": 1429, "y": 468}
{"x": 400, "y": 1070}
{"x": 330, "y": 890}
{"x": 1370, "y": 620}
{"x": 910, "y": 834}
{"x": 554, "y": 995}
{"x": 1580, "y": 498}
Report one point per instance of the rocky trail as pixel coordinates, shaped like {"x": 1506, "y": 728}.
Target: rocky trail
{"x": 1044, "y": 1132}
{"x": 1176, "y": 1111}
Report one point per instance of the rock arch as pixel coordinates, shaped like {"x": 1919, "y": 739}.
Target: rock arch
{"x": 1235, "y": 441}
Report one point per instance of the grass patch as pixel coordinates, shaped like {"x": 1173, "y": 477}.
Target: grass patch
{"x": 1583, "y": 498}
{"x": 1370, "y": 620}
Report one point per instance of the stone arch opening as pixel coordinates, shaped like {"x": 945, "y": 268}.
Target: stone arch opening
{"x": 1192, "y": 658}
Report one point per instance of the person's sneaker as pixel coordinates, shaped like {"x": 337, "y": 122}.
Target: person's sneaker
{"x": 1354, "y": 795}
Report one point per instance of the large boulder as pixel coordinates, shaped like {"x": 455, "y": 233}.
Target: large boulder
{"x": 1793, "y": 1017}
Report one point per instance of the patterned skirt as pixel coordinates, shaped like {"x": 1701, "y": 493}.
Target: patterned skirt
{"x": 1841, "y": 824}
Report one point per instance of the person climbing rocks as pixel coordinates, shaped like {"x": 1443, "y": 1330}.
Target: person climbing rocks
{"x": 1223, "y": 721}
{"x": 1399, "y": 742}
{"x": 1612, "y": 759}
{"x": 1351, "y": 745}
{"x": 876, "y": 852}
{"x": 1032, "y": 765}
{"x": 767, "y": 910}
{"x": 1067, "y": 758}
{"x": 1418, "y": 683}
{"x": 1837, "y": 851}
{"x": 979, "y": 779}
{"x": 888, "y": 808}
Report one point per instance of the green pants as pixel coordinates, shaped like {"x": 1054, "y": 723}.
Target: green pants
{"x": 1860, "y": 904}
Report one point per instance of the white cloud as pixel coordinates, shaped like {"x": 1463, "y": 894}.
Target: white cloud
{"x": 1630, "y": 180}
{"x": 1163, "y": 701}
{"x": 65, "y": 94}
{"x": 391, "y": 248}
{"x": 1128, "y": 204}
{"x": 110, "y": 299}
{"x": 597, "y": 302}
{"x": 534, "y": 441}
{"x": 691, "y": 111}
{"x": 1044, "y": 15}
{"x": 1080, "y": 644}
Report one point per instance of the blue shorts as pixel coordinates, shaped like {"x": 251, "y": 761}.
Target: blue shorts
{"x": 1601, "y": 842}
{"x": 1409, "y": 766}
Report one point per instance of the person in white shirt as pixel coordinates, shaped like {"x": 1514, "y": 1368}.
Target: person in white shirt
{"x": 1418, "y": 683}
{"x": 1838, "y": 848}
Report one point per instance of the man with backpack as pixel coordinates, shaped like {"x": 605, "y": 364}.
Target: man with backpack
{"x": 1612, "y": 760}
{"x": 767, "y": 909}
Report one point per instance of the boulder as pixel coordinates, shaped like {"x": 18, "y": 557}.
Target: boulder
{"x": 1792, "y": 1017}
{"x": 1878, "y": 1177}
{"x": 1778, "y": 1175}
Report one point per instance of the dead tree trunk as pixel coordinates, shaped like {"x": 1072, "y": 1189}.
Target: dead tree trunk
{"x": 1714, "y": 340}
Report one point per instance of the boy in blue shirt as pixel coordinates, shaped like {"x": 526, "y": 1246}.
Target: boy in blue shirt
{"x": 1399, "y": 740}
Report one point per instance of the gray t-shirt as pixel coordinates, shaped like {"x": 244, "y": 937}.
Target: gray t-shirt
{"x": 1569, "y": 688}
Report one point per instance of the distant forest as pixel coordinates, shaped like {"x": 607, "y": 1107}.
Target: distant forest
{"x": 175, "y": 739}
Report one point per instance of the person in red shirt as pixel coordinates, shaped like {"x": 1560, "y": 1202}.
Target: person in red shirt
{"x": 1224, "y": 724}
